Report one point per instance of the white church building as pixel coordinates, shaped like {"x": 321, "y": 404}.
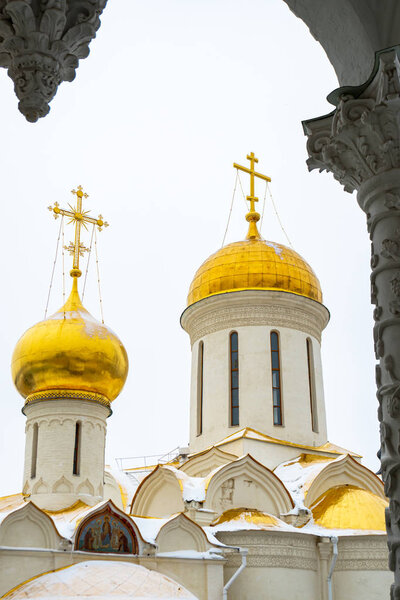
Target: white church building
{"x": 259, "y": 506}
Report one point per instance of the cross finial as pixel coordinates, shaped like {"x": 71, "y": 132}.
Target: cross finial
{"x": 252, "y": 216}
{"x": 80, "y": 219}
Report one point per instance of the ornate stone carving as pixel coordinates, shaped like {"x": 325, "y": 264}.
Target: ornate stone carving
{"x": 360, "y": 144}
{"x": 270, "y": 549}
{"x": 41, "y": 42}
{"x": 360, "y": 138}
{"x": 239, "y": 309}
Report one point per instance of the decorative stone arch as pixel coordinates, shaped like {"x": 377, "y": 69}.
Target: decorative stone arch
{"x": 29, "y": 527}
{"x": 85, "y": 488}
{"x": 108, "y": 530}
{"x": 62, "y": 486}
{"x": 158, "y": 495}
{"x": 344, "y": 471}
{"x": 40, "y": 487}
{"x": 181, "y": 533}
{"x": 204, "y": 462}
{"x": 246, "y": 482}
{"x": 112, "y": 490}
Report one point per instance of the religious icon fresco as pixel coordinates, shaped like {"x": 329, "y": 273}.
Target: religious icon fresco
{"x": 105, "y": 531}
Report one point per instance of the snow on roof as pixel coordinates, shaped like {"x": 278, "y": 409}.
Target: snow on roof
{"x": 11, "y": 502}
{"x": 298, "y": 474}
{"x": 213, "y": 554}
{"x": 127, "y": 485}
{"x": 314, "y": 529}
{"x": 67, "y": 520}
{"x": 149, "y": 527}
{"x": 193, "y": 488}
{"x": 98, "y": 579}
{"x": 244, "y": 519}
{"x": 249, "y": 433}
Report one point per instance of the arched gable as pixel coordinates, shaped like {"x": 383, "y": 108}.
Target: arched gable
{"x": 112, "y": 490}
{"x": 158, "y": 495}
{"x": 203, "y": 463}
{"x": 181, "y": 533}
{"x": 247, "y": 483}
{"x": 107, "y": 529}
{"x": 29, "y": 527}
{"x": 344, "y": 471}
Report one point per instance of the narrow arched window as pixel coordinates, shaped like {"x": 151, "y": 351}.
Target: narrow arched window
{"x": 234, "y": 356}
{"x": 35, "y": 436}
{"x": 200, "y": 368}
{"x": 311, "y": 385}
{"x": 276, "y": 379}
{"x": 77, "y": 448}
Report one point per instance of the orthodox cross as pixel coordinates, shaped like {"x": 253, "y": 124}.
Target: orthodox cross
{"x": 252, "y": 198}
{"x": 80, "y": 218}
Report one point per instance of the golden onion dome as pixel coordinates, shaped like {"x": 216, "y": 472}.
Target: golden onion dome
{"x": 350, "y": 507}
{"x": 254, "y": 264}
{"x": 70, "y": 351}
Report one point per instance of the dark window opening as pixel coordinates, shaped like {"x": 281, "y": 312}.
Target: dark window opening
{"x": 276, "y": 379}
{"x": 234, "y": 383}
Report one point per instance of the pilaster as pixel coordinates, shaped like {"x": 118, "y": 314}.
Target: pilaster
{"x": 359, "y": 143}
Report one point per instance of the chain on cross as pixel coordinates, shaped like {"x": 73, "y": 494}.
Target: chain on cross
{"x": 80, "y": 218}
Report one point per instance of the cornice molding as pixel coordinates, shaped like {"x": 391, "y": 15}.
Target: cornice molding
{"x": 273, "y": 549}
{"x": 254, "y": 308}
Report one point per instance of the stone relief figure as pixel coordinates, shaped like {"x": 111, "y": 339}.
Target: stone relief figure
{"x": 227, "y": 489}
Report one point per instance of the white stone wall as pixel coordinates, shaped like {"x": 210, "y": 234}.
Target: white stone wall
{"x": 55, "y": 486}
{"x": 282, "y": 565}
{"x": 254, "y": 315}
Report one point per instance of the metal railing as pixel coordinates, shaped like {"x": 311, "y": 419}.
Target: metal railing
{"x": 144, "y": 463}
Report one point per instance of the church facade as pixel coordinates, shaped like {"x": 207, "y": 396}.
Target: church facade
{"x": 261, "y": 505}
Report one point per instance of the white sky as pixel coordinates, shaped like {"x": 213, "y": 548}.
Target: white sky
{"x": 172, "y": 93}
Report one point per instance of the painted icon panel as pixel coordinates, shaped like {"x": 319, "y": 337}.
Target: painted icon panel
{"x": 106, "y": 531}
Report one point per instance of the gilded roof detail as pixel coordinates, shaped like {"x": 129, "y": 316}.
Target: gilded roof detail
{"x": 70, "y": 351}
{"x": 350, "y": 507}
{"x": 254, "y": 264}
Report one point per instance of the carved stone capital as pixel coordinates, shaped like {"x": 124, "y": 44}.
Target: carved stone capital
{"x": 41, "y": 42}
{"x": 361, "y": 138}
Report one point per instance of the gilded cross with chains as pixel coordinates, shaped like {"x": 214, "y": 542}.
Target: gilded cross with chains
{"x": 252, "y": 198}
{"x": 80, "y": 219}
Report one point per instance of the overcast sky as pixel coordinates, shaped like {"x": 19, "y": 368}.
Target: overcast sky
{"x": 173, "y": 92}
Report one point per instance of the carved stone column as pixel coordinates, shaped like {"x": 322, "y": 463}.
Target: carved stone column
{"x": 41, "y": 42}
{"x": 360, "y": 144}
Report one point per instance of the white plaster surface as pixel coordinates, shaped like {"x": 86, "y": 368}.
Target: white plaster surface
{"x": 255, "y": 372}
{"x": 55, "y": 486}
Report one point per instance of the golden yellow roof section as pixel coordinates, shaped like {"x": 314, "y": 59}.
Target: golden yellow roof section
{"x": 255, "y": 517}
{"x": 350, "y": 507}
